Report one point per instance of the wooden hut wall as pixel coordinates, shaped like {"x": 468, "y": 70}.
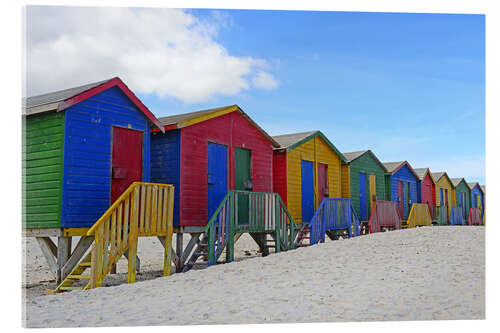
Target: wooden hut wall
{"x": 315, "y": 150}
{"x": 457, "y": 193}
{"x": 444, "y": 183}
{"x": 165, "y": 163}
{"x": 88, "y": 154}
{"x": 279, "y": 175}
{"x": 368, "y": 165}
{"x": 345, "y": 171}
{"x": 405, "y": 175}
{"x": 231, "y": 130}
{"x": 428, "y": 192}
{"x": 475, "y": 193}
{"x": 43, "y": 149}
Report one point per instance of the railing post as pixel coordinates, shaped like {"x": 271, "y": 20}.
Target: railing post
{"x": 277, "y": 226}
{"x": 132, "y": 236}
{"x": 233, "y": 201}
{"x": 350, "y": 220}
{"x": 167, "y": 263}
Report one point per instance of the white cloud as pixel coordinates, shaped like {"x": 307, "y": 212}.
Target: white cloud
{"x": 264, "y": 80}
{"x": 167, "y": 52}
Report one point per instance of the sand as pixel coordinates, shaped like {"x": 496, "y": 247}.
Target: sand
{"x": 418, "y": 274}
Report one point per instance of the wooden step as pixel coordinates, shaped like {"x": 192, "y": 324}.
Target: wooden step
{"x": 70, "y": 288}
{"x": 85, "y": 264}
{"x": 79, "y": 277}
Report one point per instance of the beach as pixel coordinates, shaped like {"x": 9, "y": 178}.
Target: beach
{"x": 416, "y": 274}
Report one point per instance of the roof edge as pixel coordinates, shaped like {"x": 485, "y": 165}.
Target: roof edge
{"x": 321, "y": 135}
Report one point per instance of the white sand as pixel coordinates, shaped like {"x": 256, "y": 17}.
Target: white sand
{"x": 418, "y": 274}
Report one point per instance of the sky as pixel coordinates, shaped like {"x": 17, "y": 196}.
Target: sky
{"x": 407, "y": 86}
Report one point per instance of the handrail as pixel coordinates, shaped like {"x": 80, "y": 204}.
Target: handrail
{"x": 442, "y": 215}
{"x": 456, "y": 217}
{"x": 332, "y": 214}
{"x": 266, "y": 214}
{"x": 419, "y": 215}
{"x": 143, "y": 209}
{"x": 474, "y": 217}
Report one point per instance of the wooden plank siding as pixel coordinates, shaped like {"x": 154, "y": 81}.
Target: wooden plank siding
{"x": 88, "y": 151}
{"x": 165, "y": 163}
{"x": 462, "y": 188}
{"x": 279, "y": 175}
{"x": 315, "y": 150}
{"x": 345, "y": 171}
{"x": 231, "y": 130}
{"x": 368, "y": 165}
{"x": 43, "y": 148}
{"x": 445, "y": 184}
{"x": 404, "y": 174}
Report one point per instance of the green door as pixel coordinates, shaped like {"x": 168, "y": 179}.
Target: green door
{"x": 242, "y": 182}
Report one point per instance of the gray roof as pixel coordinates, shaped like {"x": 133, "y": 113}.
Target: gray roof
{"x": 351, "y": 156}
{"x": 421, "y": 172}
{"x": 35, "y": 104}
{"x": 483, "y": 187}
{"x": 457, "y": 181}
{"x": 437, "y": 175}
{"x": 391, "y": 166}
{"x": 177, "y": 118}
{"x": 288, "y": 140}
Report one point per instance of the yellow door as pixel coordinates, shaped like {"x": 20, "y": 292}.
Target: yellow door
{"x": 373, "y": 191}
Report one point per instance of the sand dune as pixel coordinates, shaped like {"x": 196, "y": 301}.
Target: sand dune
{"x": 418, "y": 274}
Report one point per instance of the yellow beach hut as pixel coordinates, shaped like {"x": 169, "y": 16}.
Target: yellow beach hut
{"x": 444, "y": 190}
{"x": 307, "y": 168}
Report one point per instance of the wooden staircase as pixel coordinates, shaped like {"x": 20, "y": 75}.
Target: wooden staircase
{"x": 267, "y": 215}
{"x": 143, "y": 210}
{"x": 304, "y": 234}
{"x": 77, "y": 275}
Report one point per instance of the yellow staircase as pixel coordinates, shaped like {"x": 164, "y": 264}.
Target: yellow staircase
{"x": 143, "y": 210}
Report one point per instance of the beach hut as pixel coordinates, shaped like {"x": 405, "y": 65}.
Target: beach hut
{"x": 444, "y": 190}
{"x": 477, "y": 196}
{"x": 205, "y": 154}
{"x": 308, "y": 168}
{"x": 208, "y": 155}
{"x": 367, "y": 182}
{"x": 461, "y": 195}
{"x": 401, "y": 186}
{"x": 426, "y": 189}
{"x": 82, "y": 148}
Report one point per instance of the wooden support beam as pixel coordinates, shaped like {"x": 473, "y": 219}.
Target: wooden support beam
{"x": 137, "y": 261}
{"x": 195, "y": 239}
{"x": 178, "y": 250}
{"x": 63, "y": 254}
{"x": 49, "y": 250}
{"x": 81, "y": 248}
{"x": 45, "y": 232}
{"x": 175, "y": 257}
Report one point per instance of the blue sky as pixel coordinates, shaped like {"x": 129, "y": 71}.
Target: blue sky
{"x": 407, "y": 86}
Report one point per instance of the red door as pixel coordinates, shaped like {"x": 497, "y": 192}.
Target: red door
{"x": 126, "y": 165}
{"x": 400, "y": 199}
{"x": 322, "y": 182}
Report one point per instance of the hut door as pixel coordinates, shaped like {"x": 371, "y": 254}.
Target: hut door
{"x": 307, "y": 187}
{"x": 373, "y": 191}
{"x": 323, "y": 190}
{"x": 441, "y": 201}
{"x": 126, "y": 160}
{"x": 217, "y": 176}
{"x": 242, "y": 181}
{"x": 400, "y": 199}
{"x": 406, "y": 199}
{"x": 362, "y": 196}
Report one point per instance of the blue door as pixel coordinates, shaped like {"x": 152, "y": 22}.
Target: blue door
{"x": 362, "y": 196}
{"x": 217, "y": 176}
{"x": 307, "y": 190}
{"x": 441, "y": 201}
